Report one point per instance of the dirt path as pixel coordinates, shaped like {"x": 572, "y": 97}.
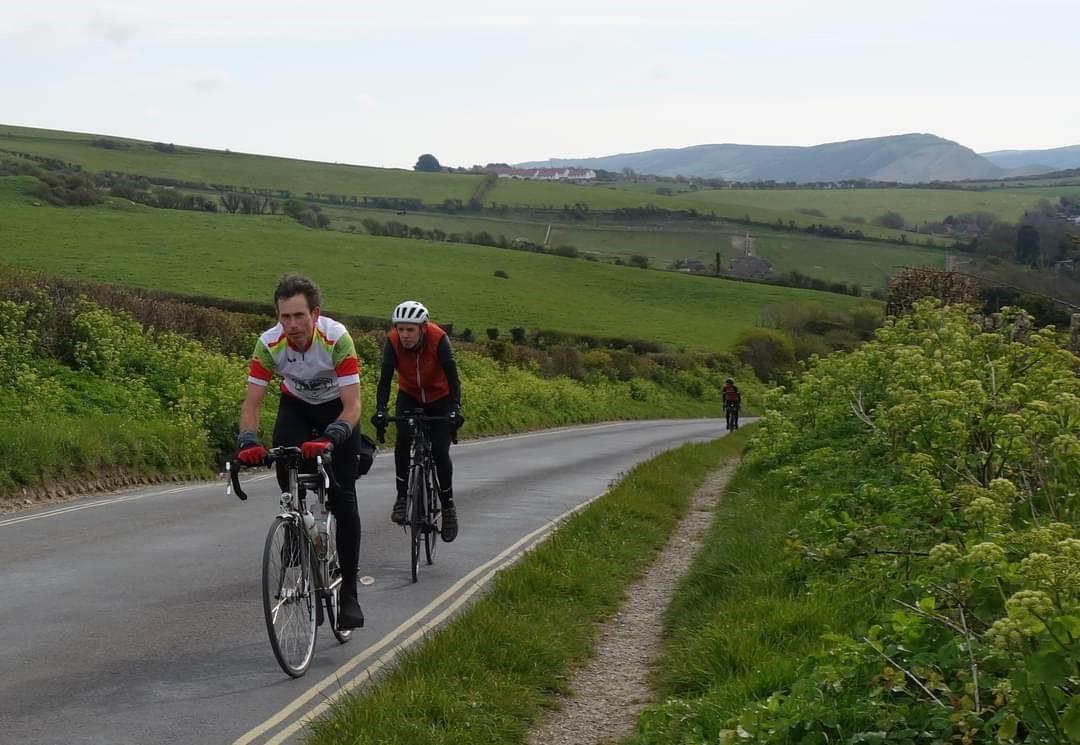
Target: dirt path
{"x": 613, "y": 688}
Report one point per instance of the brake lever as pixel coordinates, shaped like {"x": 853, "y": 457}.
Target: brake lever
{"x": 322, "y": 471}
{"x": 234, "y": 482}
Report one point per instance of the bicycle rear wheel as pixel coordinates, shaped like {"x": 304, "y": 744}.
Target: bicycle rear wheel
{"x": 289, "y": 596}
{"x": 416, "y": 509}
{"x": 433, "y": 523}
{"x": 333, "y": 574}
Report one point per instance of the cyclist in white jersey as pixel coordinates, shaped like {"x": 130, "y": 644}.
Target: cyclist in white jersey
{"x": 320, "y": 406}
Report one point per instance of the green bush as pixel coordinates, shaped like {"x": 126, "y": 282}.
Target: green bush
{"x": 769, "y": 353}
{"x": 121, "y": 397}
{"x": 938, "y": 473}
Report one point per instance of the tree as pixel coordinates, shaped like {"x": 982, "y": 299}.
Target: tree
{"x": 1027, "y": 245}
{"x": 890, "y": 219}
{"x": 427, "y": 162}
{"x": 767, "y": 351}
{"x": 231, "y": 202}
{"x": 639, "y": 260}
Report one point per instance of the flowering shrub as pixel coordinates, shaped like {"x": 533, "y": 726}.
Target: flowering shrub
{"x": 942, "y": 465}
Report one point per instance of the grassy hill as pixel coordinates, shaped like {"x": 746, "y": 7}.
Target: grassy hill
{"x": 908, "y": 158}
{"x": 537, "y": 205}
{"x": 238, "y": 256}
{"x": 301, "y": 177}
{"x": 238, "y": 169}
{"x": 1057, "y": 158}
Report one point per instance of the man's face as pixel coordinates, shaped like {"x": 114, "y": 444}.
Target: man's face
{"x": 410, "y": 334}
{"x": 297, "y": 319}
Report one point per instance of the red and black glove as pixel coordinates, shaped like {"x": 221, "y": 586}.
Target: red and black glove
{"x": 252, "y": 454}
{"x": 313, "y": 448}
{"x": 336, "y": 433}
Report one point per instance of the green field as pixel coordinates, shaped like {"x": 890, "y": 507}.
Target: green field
{"x": 915, "y": 205}
{"x": 515, "y": 193}
{"x": 239, "y": 169}
{"x": 241, "y": 257}
{"x": 864, "y": 263}
{"x": 300, "y": 177}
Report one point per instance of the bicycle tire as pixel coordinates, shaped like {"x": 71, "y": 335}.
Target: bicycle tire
{"x": 333, "y": 574}
{"x": 416, "y": 509}
{"x": 433, "y": 523}
{"x": 289, "y": 596}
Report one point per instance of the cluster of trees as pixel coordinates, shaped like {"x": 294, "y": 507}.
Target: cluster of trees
{"x": 108, "y": 144}
{"x": 139, "y": 189}
{"x": 1040, "y": 239}
{"x": 62, "y": 186}
{"x": 67, "y": 188}
{"x": 397, "y": 229}
{"x": 56, "y": 185}
{"x": 51, "y": 164}
{"x": 310, "y": 215}
{"x": 797, "y": 331}
{"x": 16, "y": 168}
{"x": 890, "y": 219}
{"x": 795, "y": 278}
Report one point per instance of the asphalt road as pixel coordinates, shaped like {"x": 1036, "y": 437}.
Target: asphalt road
{"x": 137, "y": 618}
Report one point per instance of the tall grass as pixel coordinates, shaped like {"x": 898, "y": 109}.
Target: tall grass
{"x": 741, "y": 623}
{"x": 486, "y": 676}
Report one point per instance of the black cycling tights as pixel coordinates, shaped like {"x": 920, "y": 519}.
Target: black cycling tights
{"x": 297, "y": 422}
{"x": 440, "y": 441}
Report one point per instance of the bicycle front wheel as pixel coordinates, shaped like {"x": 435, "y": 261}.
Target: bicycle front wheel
{"x": 289, "y": 596}
{"x": 433, "y": 523}
{"x": 417, "y": 508}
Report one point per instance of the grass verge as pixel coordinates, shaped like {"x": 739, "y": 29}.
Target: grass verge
{"x": 742, "y": 622}
{"x": 486, "y": 676}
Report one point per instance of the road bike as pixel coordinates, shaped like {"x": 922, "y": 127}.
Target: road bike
{"x": 423, "y": 510}
{"x": 731, "y": 411}
{"x": 301, "y": 573}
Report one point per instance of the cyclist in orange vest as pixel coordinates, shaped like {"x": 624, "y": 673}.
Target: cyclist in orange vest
{"x": 420, "y": 352}
{"x": 732, "y": 401}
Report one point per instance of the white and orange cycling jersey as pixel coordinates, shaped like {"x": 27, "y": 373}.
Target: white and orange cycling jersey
{"x": 314, "y": 375}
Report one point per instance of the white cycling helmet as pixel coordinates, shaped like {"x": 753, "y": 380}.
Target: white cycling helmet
{"x": 410, "y": 311}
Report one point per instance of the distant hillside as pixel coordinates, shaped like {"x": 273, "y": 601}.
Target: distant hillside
{"x": 909, "y": 158}
{"x": 1055, "y": 159}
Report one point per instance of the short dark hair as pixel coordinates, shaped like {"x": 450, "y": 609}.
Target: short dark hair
{"x": 298, "y": 284}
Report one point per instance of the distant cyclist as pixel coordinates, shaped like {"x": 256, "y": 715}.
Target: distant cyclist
{"x": 320, "y": 392}
{"x": 732, "y": 402}
{"x": 420, "y": 352}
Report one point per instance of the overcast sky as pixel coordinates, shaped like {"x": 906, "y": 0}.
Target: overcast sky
{"x": 475, "y": 81}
